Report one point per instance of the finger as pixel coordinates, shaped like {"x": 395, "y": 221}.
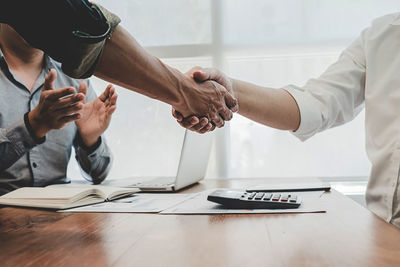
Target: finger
{"x": 231, "y": 102}
{"x": 202, "y": 75}
{"x": 69, "y": 101}
{"x": 226, "y": 114}
{"x": 203, "y": 123}
{"x": 193, "y": 70}
{"x": 189, "y": 122}
{"x": 114, "y": 98}
{"x": 177, "y": 115}
{"x": 106, "y": 93}
{"x": 212, "y": 128}
{"x": 83, "y": 88}
{"x": 69, "y": 110}
{"x": 111, "y": 110}
{"x": 218, "y": 121}
{"x": 111, "y": 94}
{"x": 54, "y": 95}
{"x": 70, "y": 118}
{"x": 49, "y": 80}
{"x": 208, "y": 128}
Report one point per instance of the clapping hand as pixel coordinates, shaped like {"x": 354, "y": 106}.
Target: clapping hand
{"x": 96, "y": 115}
{"x": 56, "y": 108}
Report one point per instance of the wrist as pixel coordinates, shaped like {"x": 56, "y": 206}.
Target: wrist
{"x": 187, "y": 92}
{"x": 89, "y": 141}
{"x": 39, "y": 129}
{"x": 89, "y": 149}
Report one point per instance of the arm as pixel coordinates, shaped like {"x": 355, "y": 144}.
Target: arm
{"x": 15, "y": 141}
{"x": 336, "y": 97}
{"x": 92, "y": 153}
{"x": 85, "y": 38}
{"x": 126, "y": 63}
{"x": 272, "y": 107}
{"x": 52, "y": 112}
{"x": 95, "y": 162}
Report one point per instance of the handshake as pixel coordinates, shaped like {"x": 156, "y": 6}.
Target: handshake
{"x": 208, "y": 103}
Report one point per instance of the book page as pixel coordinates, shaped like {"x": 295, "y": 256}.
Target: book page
{"x": 44, "y": 193}
{"x": 108, "y": 192}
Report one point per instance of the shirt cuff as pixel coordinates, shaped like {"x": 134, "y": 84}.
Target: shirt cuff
{"x": 91, "y": 151}
{"x": 20, "y": 137}
{"x": 87, "y": 149}
{"x": 28, "y": 126}
{"x": 310, "y": 118}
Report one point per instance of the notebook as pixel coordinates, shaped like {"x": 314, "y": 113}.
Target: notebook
{"x": 63, "y": 197}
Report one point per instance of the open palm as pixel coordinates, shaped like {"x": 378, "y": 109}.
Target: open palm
{"x": 96, "y": 115}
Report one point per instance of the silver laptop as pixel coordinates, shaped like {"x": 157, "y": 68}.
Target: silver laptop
{"x": 192, "y": 166}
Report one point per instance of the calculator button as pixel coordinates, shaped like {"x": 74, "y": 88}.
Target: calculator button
{"x": 284, "y": 198}
{"x": 259, "y": 196}
{"x": 276, "y": 197}
{"x": 293, "y": 199}
{"x": 267, "y": 196}
{"x": 251, "y": 195}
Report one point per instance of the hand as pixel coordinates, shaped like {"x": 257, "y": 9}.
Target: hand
{"x": 56, "y": 108}
{"x": 194, "y": 123}
{"x": 96, "y": 115}
{"x": 209, "y": 98}
{"x": 202, "y": 124}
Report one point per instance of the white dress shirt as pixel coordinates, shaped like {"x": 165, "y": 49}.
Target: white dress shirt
{"x": 367, "y": 74}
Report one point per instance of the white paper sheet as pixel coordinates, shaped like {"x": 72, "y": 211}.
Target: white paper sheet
{"x": 138, "y": 203}
{"x": 199, "y": 204}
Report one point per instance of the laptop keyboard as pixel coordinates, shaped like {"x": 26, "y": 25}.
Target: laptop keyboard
{"x": 156, "y": 182}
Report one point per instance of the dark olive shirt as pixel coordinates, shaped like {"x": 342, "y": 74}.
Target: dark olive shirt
{"x": 72, "y": 32}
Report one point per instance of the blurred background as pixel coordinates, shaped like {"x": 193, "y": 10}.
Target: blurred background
{"x": 267, "y": 42}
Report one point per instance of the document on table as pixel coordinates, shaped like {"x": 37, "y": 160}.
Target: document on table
{"x": 138, "y": 203}
{"x": 199, "y": 204}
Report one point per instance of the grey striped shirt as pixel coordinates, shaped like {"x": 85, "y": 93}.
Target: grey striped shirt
{"x": 23, "y": 162}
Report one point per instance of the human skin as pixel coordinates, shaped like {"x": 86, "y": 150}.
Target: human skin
{"x": 125, "y": 63}
{"x": 272, "y": 107}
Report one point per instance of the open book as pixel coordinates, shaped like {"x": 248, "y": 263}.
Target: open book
{"x": 63, "y": 196}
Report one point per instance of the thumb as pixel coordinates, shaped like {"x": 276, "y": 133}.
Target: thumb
{"x": 49, "y": 80}
{"x": 82, "y": 88}
{"x": 201, "y": 76}
{"x": 231, "y": 102}
{"x": 177, "y": 115}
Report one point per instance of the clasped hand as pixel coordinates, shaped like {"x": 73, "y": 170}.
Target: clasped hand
{"x": 203, "y": 123}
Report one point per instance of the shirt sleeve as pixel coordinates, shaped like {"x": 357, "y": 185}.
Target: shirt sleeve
{"x": 95, "y": 164}
{"x": 336, "y": 97}
{"x": 15, "y": 141}
{"x": 72, "y": 32}
{"x": 96, "y": 161}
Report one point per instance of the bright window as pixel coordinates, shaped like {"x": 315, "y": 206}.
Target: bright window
{"x": 267, "y": 42}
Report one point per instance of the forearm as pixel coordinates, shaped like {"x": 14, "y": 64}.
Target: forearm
{"x": 15, "y": 141}
{"x": 272, "y": 107}
{"x": 125, "y": 63}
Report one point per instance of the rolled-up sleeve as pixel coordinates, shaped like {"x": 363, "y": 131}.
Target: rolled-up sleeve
{"x": 15, "y": 141}
{"x": 336, "y": 97}
{"x": 75, "y": 36}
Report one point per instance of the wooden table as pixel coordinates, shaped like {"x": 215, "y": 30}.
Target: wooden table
{"x": 346, "y": 235}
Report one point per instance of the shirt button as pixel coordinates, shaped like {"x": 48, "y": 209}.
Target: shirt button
{"x": 34, "y": 165}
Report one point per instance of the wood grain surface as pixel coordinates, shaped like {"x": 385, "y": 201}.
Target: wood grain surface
{"x": 346, "y": 235}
